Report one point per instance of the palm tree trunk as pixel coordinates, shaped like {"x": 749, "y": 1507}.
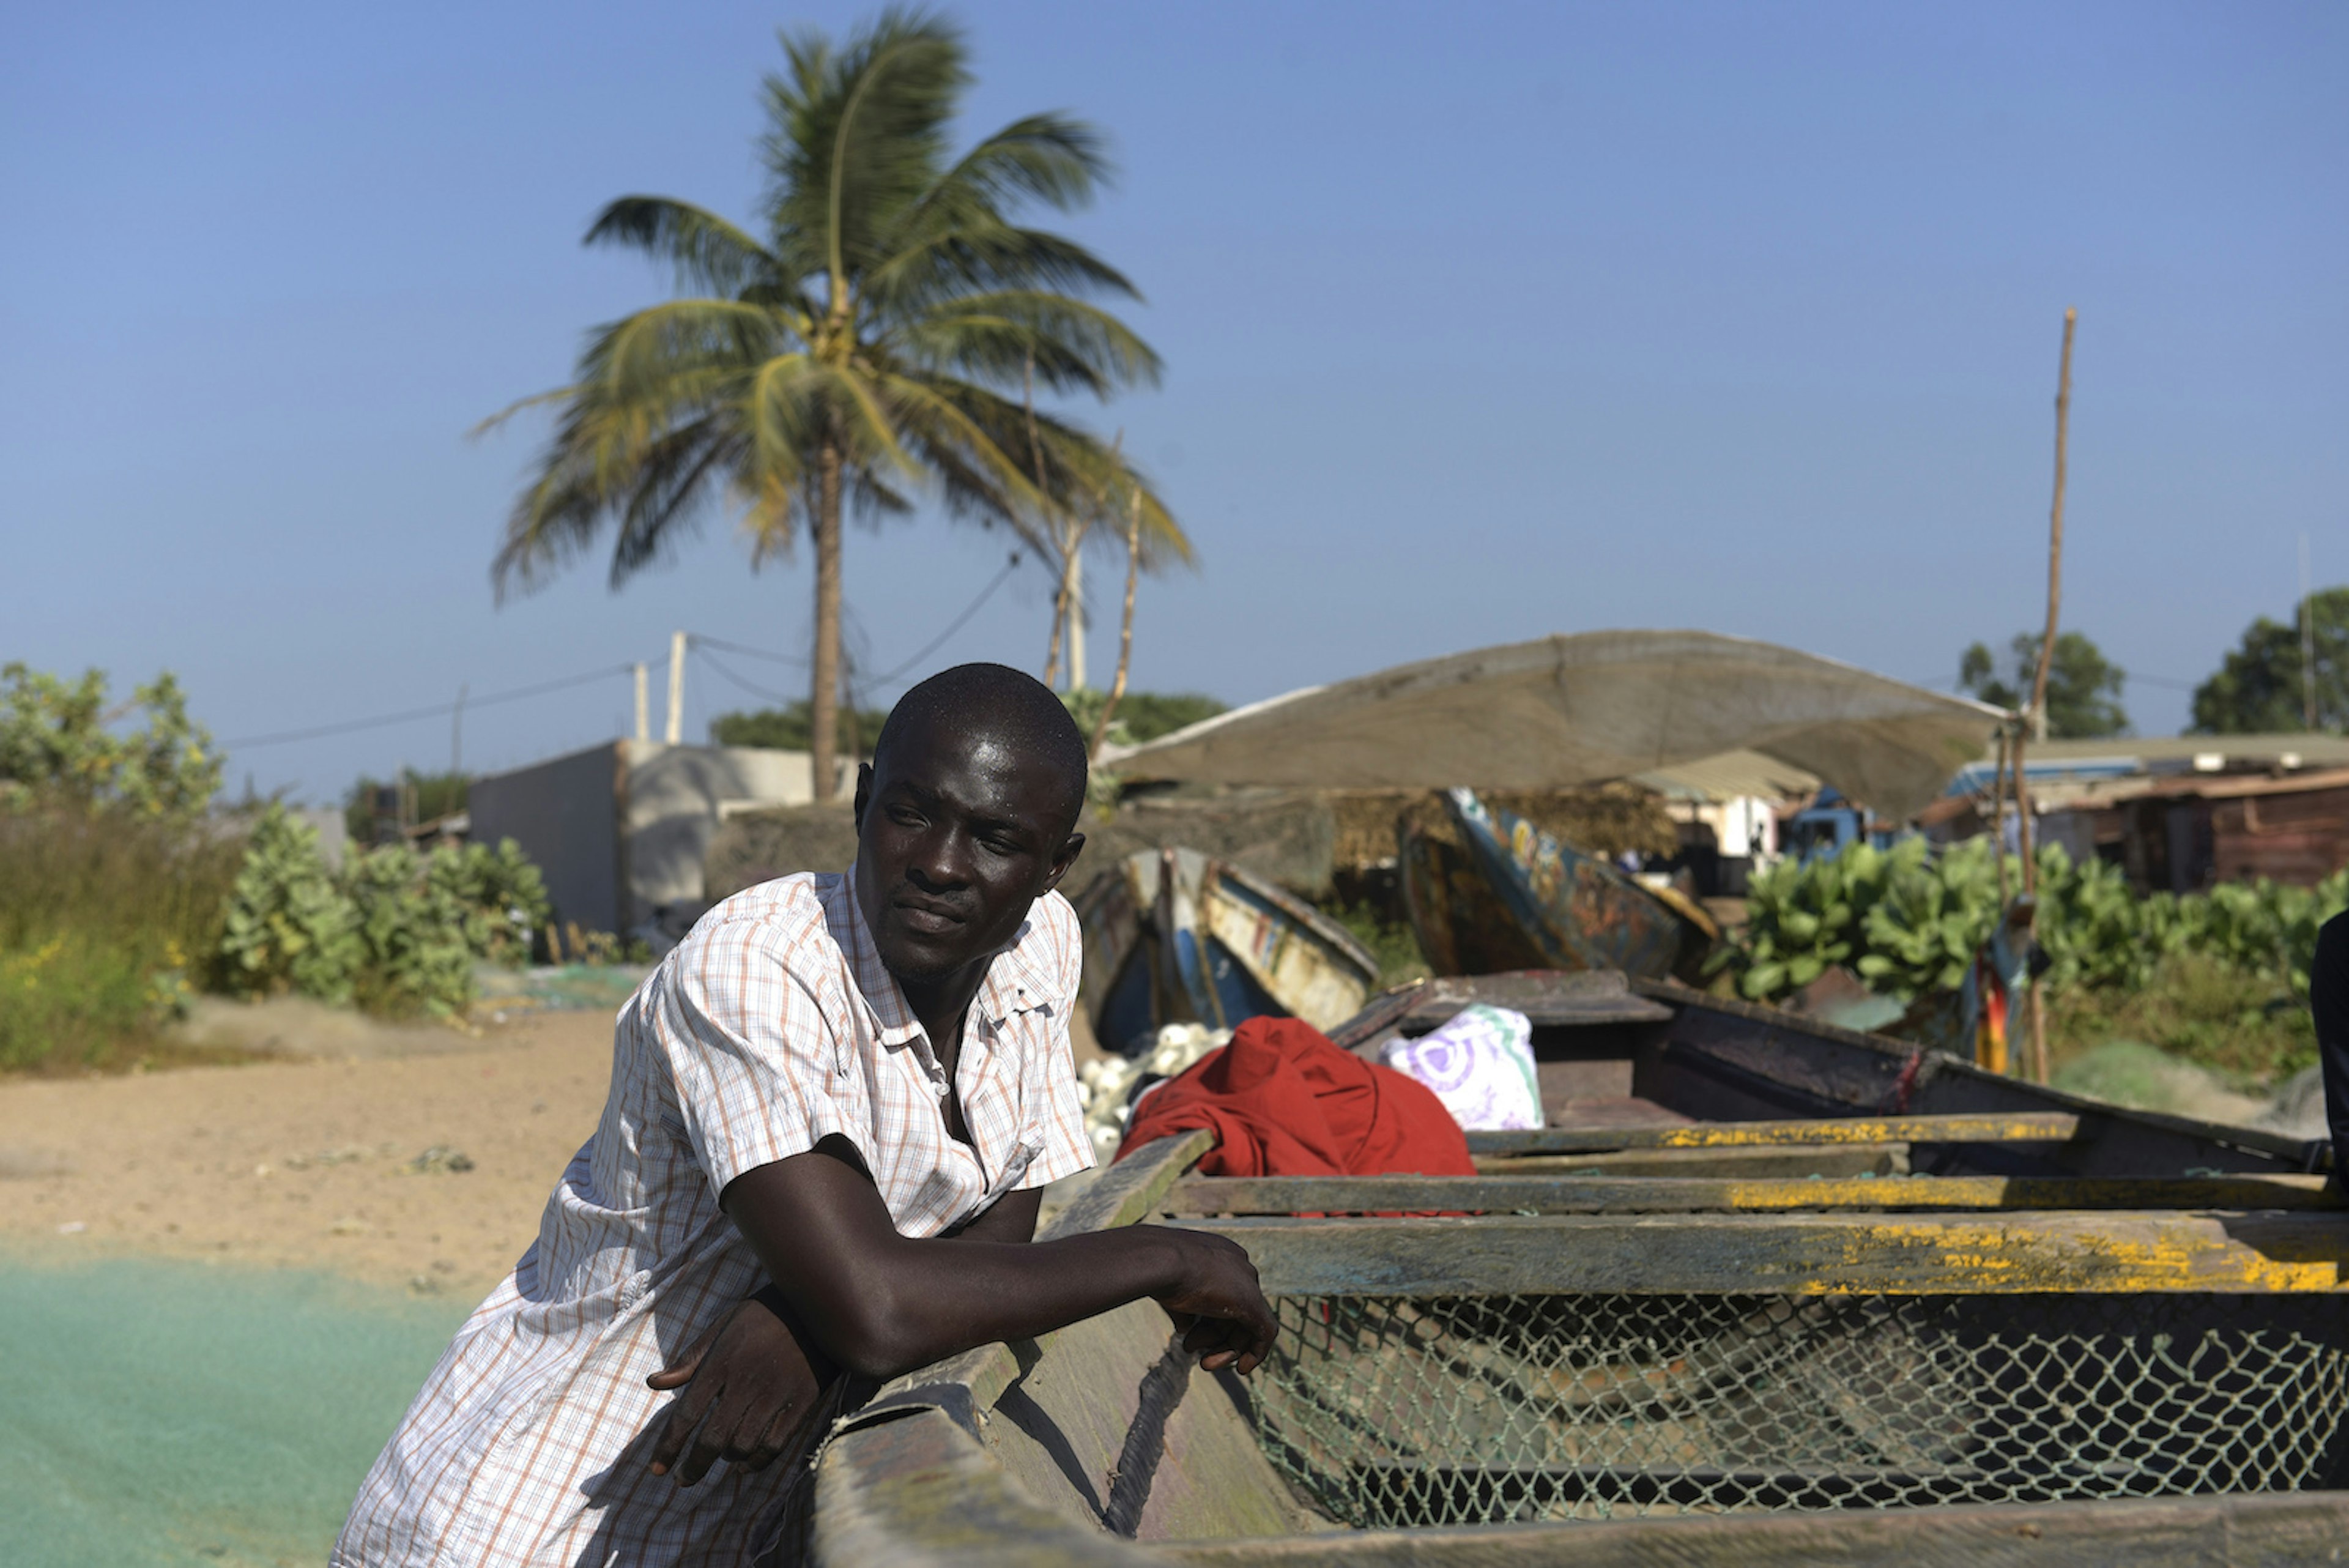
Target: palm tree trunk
{"x": 823, "y": 679}
{"x": 1125, "y": 637}
{"x": 1069, "y": 537}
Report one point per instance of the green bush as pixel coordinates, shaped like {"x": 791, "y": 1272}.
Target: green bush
{"x": 1909, "y": 920}
{"x": 398, "y": 933}
{"x": 412, "y": 932}
{"x": 60, "y": 744}
{"x": 288, "y": 926}
{"x": 106, "y": 917}
{"x": 498, "y": 894}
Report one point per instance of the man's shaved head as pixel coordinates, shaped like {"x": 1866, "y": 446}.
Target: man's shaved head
{"x": 964, "y": 819}
{"x": 1002, "y": 704}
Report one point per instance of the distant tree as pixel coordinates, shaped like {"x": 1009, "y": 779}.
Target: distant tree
{"x": 2256, "y": 688}
{"x": 877, "y": 334}
{"x": 2083, "y": 687}
{"x": 786, "y": 729}
{"x": 62, "y": 741}
{"x": 1142, "y": 715}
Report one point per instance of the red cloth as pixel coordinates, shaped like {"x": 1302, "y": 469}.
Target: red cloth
{"x": 1285, "y": 1102}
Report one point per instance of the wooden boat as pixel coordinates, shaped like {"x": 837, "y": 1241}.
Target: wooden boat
{"x": 1763, "y": 1291}
{"x": 1171, "y": 936}
{"x": 1495, "y": 893}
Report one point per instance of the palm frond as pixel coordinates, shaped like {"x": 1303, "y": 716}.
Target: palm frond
{"x": 1048, "y": 158}
{"x": 641, "y": 354}
{"x": 707, "y": 252}
{"x": 1072, "y": 344}
{"x": 987, "y": 258}
{"x": 857, "y": 135}
{"x": 670, "y": 491}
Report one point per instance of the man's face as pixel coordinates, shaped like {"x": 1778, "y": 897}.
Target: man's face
{"x": 957, "y": 835}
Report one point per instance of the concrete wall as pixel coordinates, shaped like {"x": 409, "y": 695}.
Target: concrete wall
{"x": 334, "y": 832}
{"x": 621, "y": 830}
{"x": 565, "y": 813}
{"x": 676, "y": 797}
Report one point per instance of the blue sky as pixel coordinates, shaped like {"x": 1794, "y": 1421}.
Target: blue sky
{"x": 1481, "y": 322}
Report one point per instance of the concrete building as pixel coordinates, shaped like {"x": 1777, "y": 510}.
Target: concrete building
{"x": 620, "y": 830}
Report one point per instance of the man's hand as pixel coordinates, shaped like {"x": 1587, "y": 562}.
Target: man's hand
{"x": 752, "y": 1383}
{"x": 1218, "y": 1306}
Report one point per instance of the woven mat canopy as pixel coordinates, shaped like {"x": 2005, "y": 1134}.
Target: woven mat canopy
{"x": 1565, "y": 711}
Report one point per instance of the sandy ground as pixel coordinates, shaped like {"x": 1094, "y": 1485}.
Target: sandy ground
{"x": 312, "y": 1163}
{"x": 311, "y": 1159}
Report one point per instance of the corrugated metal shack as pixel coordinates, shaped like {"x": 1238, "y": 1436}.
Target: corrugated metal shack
{"x": 2180, "y": 814}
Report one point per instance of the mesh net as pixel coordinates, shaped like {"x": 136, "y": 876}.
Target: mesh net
{"x": 1470, "y": 1410}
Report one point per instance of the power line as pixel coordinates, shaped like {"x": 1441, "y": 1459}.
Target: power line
{"x": 411, "y": 715}
{"x": 748, "y": 652}
{"x": 753, "y": 687}
{"x": 697, "y": 641}
{"x": 959, "y": 621}
{"x": 703, "y": 643}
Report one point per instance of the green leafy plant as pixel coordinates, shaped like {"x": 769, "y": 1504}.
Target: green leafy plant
{"x": 1908, "y": 920}
{"x": 1802, "y": 917}
{"x": 288, "y": 925}
{"x": 398, "y": 933}
{"x": 499, "y": 895}
{"x": 412, "y": 932}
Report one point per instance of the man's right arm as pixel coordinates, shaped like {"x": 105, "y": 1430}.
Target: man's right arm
{"x": 881, "y": 1303}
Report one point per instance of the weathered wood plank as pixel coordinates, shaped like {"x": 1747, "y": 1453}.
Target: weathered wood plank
{"x": 917, "y": 1490}
{"x": 1793, "y": 1162}
{"x": 1549, "y": 1012}
{"x": 2038, "y": 1126}
{"x": 1132, "y": 1187}
{"x": 1689, "y": 1195}
{"x": 1797, "y": 1254}
{"x": 2255, "y": 1531}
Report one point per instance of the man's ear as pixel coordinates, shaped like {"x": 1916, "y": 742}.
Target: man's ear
{"x": 863, "y": 794}
{"x": 1071, "y": 847}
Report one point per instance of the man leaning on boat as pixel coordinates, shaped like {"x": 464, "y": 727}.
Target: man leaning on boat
{"x": 832, "y": 1111}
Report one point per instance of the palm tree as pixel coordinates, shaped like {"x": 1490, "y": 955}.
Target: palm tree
{"x": 876, "y": 341}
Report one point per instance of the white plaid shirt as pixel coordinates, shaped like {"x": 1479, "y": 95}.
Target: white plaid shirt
{"x": 773, "y": 1025}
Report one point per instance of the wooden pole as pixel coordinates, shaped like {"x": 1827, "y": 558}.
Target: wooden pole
{"x": 2039, "y": 680}
{"x": 1125, "y": 634}
{"x": 1052, "y": 524}
{"x": 1998, "y": 817}
{"x": 2307, "y": 642}
{"x": 2054, "y": 536}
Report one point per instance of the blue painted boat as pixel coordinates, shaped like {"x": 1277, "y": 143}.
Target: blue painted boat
{"x": 1173, "y": 937}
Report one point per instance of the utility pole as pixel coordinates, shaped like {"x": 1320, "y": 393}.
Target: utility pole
{"x": 644, "y": 703}
{"x": 2039, "y": 682}
{"x": 675, "y": 731}
{"x": 1076, "y": 609}
{"x": 2307, "y": 642}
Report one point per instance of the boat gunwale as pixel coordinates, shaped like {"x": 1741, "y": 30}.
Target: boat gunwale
{"x": 908, "y": 1477}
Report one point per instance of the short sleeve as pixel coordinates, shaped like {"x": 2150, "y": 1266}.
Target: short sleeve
{"x": 1058, "y": 1124}
{"x": 750, "y": 1051}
